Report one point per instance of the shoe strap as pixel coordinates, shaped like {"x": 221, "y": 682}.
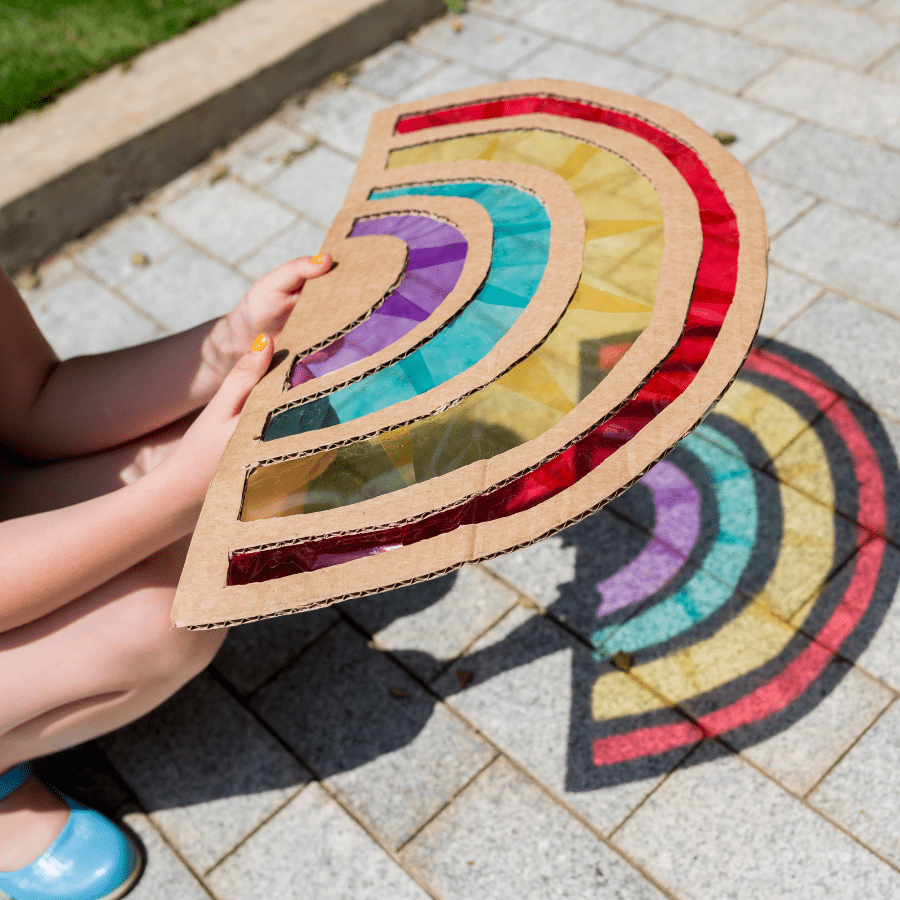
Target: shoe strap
{"x": 16, "y": 776}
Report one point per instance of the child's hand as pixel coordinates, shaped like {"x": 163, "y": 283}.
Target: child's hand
{"x": 185, "y": 475}
{"x": 263, "y": 310}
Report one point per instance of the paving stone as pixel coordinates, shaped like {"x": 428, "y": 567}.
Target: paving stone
{"x": 450, "y": 77}
{"x": 568, "y": 62}
{"x": 781, "y": 203}
{"x": 510, "y": 9}
{"x": 845, "y": 250}
{"x": 874, "y": 646}
{"x": 166, "y": 876}
{"x": 601, "y": 23}
{"x": 799, "y": 756}
{"x": 227, "y": 218}
{"x": 312, "y": 849}
{"x": 838, "y": 35}
{"x": 718, "y": 828}
{"x": 787, "y": 295}
{"x": 562, "y": 572}
{"x": 754, "y": 127}
{"x": 890, "y": 67}
{"x": 80, "y": 316}
{"x": 482, "y": 42}
{"x": 531, "y": 694}
{"x": 429, "y": 623}
{"x": 316, "y": 184}
{"x": 254, "y": 652}
{"x": 838, "y": 98}
{"x": 337, "y": 115}
{"x": 395, "y": 68}
{"x": 111, "y": 257}
{"x": 885, "y": 9}
{"x": 702, "y": 54}
{"x": 395, "y": 759}
{"x": 262, "y": 152}
{"x": 860, "y": 793}
{"x": 185, "y": 289}
{"x": 843, "y": 169}
{"x": 205, "y": 770}
{"x": 892, "y": 137}
{"x": 302, "y": 239}
{"x": 719, "y": 13}
{"x": 505, "y": 838}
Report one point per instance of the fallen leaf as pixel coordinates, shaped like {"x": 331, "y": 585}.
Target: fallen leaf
{"x": 463, "y": 676}
{"x": 218, "y": 173}
{"x": 140, "y": 259}
{"x": 725, "y": 137}
{"x": 399, "y": 693}
{"x": 622, "y": 660}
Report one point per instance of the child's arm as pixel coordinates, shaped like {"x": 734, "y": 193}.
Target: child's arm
{"x": 49, "y": 559}
{"x": 52, "y": 409}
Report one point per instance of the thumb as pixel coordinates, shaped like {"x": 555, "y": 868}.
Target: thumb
{"x": 247, "y": 371}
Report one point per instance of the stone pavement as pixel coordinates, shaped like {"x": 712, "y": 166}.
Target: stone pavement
{"x": 469, "y": 737}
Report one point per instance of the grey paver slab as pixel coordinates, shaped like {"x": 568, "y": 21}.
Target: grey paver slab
{"x": 890, "y": 67}
{"x": 800, "y": 755}
{"x": 429, "y": 623}
{"x": 819, "y": 246}
{"x": 262, "y": 152}
{"x": 560, "y": 60}
{"x": 885, "y": 9}
{"x": 840, "y": 35}
{"x": 562, "y": 572}
{"x": 722, "y": 829}
{"x": 185, "y": 289}
{"x": 395, "y": 759}
{"x": 754, "y": 127}
{"x": 876, "y": 652}
{"x": 312, "y": 850}
{"x": 166, "y": 876}
{"x": 503, "y": 837}
{"x": 892, "y": 137}
{"x": 531, "y": 692}
{"x": 702, "y": 54}
{"x": 255, "y": 651}
{"x": 302, "y": 239}
{"x": 111, "y": 257}
{"x": 848, "y": 171}
{"x": 510, "y": 9}
{"x": 450, "y": 77}
{"x": 395, "y": 68}
{"x": 316, "y": 184}
{"x": 482, "y": 42}
{"x": 832, "y": 96}
{"x": 78, "y": 315}
{"x": 600, "y": 23}
{"x": 721, "y": 13}
{"x": 781, "y": 203}
{"x": 207, "y": 772}
{"x": 337, "y": 115}
{"x": 861, "y": 792}
{"x": 227, "y": 218}
{"x": 787, "y": 295}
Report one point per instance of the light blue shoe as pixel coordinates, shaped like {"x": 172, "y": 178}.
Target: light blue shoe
{"x": 92, "y": 859}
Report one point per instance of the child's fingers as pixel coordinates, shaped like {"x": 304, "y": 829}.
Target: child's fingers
{"x": 243, "y": 377}
{"x": 289, "y": 278}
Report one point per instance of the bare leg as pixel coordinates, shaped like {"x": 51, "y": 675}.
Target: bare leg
{"x": 95, "y": 664}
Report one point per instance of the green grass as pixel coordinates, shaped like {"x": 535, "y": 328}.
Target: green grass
{"x": 47, "y": 46}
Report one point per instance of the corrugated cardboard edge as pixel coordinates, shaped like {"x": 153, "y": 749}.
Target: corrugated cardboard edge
{"x": 207, "y": 605}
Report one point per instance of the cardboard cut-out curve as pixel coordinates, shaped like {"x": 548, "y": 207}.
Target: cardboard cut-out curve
{"x": 541, "y": 287}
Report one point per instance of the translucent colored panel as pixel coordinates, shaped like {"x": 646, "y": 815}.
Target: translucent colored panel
{"x": 437, "y": 252}
{"x": 563, "y": 470}
{"x": 536, "y": 393}
{"x": 521, "y": 246}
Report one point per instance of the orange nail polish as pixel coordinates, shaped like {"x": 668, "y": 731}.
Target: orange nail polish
{"x": 318, "y": 260}
{"x": 260, "y": 343}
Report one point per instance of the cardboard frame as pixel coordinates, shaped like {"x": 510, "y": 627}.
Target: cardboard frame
{"x": 203, "y": 598}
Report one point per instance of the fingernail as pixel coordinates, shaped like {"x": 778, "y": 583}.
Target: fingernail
{"x": 260, "y": 343}
{"x": 318, "y": 260}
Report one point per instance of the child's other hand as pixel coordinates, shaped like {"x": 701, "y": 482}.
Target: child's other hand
{"x": 184, "y": 476}
{"x": 263, "y": 310}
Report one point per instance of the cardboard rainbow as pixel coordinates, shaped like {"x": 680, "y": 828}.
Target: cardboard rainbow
{"x": 541, "y": 288}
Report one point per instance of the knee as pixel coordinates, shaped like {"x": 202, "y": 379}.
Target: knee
{"x": 158, "y": 654}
